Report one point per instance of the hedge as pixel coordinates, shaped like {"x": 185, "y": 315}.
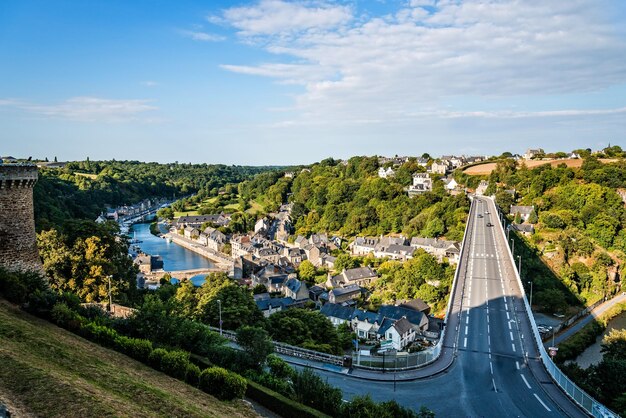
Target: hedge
{"x": 222, "y": 384}
{"x": 280, "y": 404}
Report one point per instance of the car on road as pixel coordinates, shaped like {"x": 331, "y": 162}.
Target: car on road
{"x": 489, "y": 224}
{"x": 480, "y": 216}
{"x": 486, "y": 212}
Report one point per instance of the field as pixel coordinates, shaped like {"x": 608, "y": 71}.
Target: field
{"x": 486, "y": 168}
{"x": 47, "y": 371}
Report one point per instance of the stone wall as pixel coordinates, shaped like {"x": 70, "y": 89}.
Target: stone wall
{"x": 18, "y": 242}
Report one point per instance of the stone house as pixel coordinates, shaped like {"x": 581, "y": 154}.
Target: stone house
{"x": 296, "y": 289}
{"x": 359, "y": 276}
{"x": 422, "y": 183}
{"x": 438, "y": 247}
{"x": 344, "y": 294}
{"x": 524, "y": 211}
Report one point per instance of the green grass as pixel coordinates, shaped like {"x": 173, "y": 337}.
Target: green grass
{"x": 47, "y": 371}
{"x": 255, "y": 207}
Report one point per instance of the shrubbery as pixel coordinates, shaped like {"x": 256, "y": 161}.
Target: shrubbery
{"x": 222, "y": 383}
{"x": 16, "y": 287}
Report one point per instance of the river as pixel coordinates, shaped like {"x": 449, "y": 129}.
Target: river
{"x": 174, "y": 256}
{"x": 592, "y": 354}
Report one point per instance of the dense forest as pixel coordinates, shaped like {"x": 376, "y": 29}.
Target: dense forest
{"x": 82, "y": 189}
{"x": 349, "y": 198}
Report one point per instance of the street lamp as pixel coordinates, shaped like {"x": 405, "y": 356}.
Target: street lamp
{"x": 110, "y": 297}
{"x": 512, "y": 246}
{"x": 219, "y": 306}
{"x": 531, "y": 294}
{"x": 519, "y": 266}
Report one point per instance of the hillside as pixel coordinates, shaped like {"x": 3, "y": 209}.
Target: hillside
{"x": 486, "y": 168}
{"x": 47, "y": 371}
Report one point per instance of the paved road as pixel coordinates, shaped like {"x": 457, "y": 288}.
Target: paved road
{"x": 488, "y": 337}
{"x": 559, "y": 338}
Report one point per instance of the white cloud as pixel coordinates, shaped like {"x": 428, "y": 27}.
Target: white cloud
{"x": 270, "y": 17}
{"x": 86, "y": 109}
{"x": 149, "y": 83}
{"x": 202, "y": 36}
{"x": 409, "y": 62}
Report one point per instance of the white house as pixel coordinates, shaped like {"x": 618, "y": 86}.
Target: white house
{"x": 422, "y": 183}
{"x": 382, "y": 173}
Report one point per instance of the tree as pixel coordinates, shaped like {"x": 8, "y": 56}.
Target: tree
{"x": 166, "y": 213}
{"x": 307, "y": 271}
{"x": 256, "y": 342}
{"x": 532, "y": 218}
{"x": 258, "y": 289}
{"x": 434, "y": 228}
{"x": 345, "y": 261}
{"x": 614, "y": 345}
{"x": 551, "y": 300}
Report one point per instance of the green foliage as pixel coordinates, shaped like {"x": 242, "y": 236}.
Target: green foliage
{"x": 174, "y": 363}
{"x": 222, "y": 384}
{"x": 64, "y": 193}
{"x": 305, "y": 328}
{"x": 279, "y": 367}
{"x": 309, "y": 389}
{"x": 280, "y": 404}
{"x": 16, "y": 287}
{"x": 192, "y": 375}
{"x": 307, "y": 271}
{"x": 256, "y": 342}
{"x": 551, "y": 300}
{"x": 80, "y": 258}
{"x": 365, "y": 407}
{"x": 65, "y": 317}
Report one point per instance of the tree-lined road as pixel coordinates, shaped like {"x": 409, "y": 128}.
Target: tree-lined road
{"x": 489, "y": 335}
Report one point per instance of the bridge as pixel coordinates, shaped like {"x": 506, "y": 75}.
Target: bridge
{"x": 492, "y": 362}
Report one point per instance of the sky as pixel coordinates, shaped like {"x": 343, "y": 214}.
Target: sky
{"x": 293, "y": 82}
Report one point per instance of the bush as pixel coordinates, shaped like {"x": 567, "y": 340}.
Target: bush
{"x": 192, "y": 376}
{"x": 174, "y": 363}
{"x": 99, "y": 334}
{"x": 222, "y": 384}
{"x": 66, "y": 318}
{"x": 136, "y": 348}
{"x": 16, "y": 287}
{"x": 41, "y": 302}
{"x": 155, "y": 357}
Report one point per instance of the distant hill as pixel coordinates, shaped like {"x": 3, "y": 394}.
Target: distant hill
{"x": 47, "y": 371}
{"x": 486, "y": 168}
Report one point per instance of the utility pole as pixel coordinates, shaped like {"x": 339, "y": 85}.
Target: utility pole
{"x": 219, "y": 306}
{"x": 519, "y": 266}
{"x": 531, "y": 295}
{"x": 512, "y": 246}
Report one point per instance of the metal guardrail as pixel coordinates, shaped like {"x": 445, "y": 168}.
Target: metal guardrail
{"x": 583, "y": 399}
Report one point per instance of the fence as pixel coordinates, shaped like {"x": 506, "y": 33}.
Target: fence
{"x": 579, "y": 396}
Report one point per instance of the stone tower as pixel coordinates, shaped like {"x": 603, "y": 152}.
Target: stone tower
{"x": 18, "y": 242}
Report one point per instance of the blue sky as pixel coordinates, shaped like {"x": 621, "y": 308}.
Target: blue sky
{"x": 277, "y": 82}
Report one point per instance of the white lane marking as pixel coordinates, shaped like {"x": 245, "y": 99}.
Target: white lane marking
{"x": 511, "y": 335}
{"x": 467, "y": 319}
{"x": 525, "y": 381}
{"x": 513, "y": 345}
{"x": 465, "y": 342}
{"x": 494, "y": 386}
{"x": 541, "y": 402}
{"x": 509, "y": 325}
{"x": 491, "y": 367}
{"x": 465, "y": 329}
{"x": 517, "y": 365}
{"x": 507, "y": 317}
{"x": 488, "y": 328}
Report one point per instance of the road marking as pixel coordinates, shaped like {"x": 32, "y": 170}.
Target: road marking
{"x": 513, "y": 345}
{"x": 507, "y": 316}
{"x": 541, "y": 402}
{"x": 509, "y": 325}
{"x": 511, "y": 335}
{"x": 487, "y": 327}
{"x": 494, "y": 387}
{"x": 491, "y": 367}
{"x": 467, "y": 319}
{"x": 525, "y": 381}
{"x": 465, "y": 329}
{"x": 517, "y": 365}
{"x": 465, "y": 342}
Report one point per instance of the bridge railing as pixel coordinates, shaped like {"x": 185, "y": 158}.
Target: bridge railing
{"x": 583, "y": 399}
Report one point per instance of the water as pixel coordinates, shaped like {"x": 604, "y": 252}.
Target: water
{"x": 592, "y": 354}
{"x": 174, "y": 256}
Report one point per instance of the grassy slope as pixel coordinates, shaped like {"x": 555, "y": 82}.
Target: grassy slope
{"x": 47, "y": 371}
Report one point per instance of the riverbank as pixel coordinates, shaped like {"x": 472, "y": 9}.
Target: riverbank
{"x": 593, "y": 353}
{"x": 203, "y": 251}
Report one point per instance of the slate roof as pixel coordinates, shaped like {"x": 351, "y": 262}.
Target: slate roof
{"x": 294, "y": 285}
{"x": 528, "y": 228}
{"x": 522, "y": 210}
{"x": 316, "y": 290}
{"x": 415, "y": 304}
{"x": 358, "y": 273}
{"x": 432, "y": 242}
{"x": 397, "y": 312}
{"x": 402, "y": 326}
{"x": 265, "y": 304}
{"x": 340, "y": 291}
{"x": 400, "y": 249}
{"x": 337, "y": 311}
{"x": 281, "y": 278}
{"x": 362, "y": 315}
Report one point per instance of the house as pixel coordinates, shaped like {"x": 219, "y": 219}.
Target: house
{"x": 422, "y": 161}
{"x": 482, "y": 188}
{"x": 574, "y": 156}
{"x": 296, "y": 289}
{"x": 313, "y": 254}
{"x": 294, "y": 255}
{"x": 215, "y": 239}
{"x": 385, "y": 173}
{"x": 416, "y": 304}
{"x": 272, "y": 305}
{"x": 523, "y": 211}
{"x": 148, "y": 263}
{"x": 526, "y": 229}
{"x": 241, "y": 246}
{"x": 221, "y": 219}
{"x": 450, "y": 184}
{"x": 438, "y": 247}
{"x": 111, "y": 214}
{"x": 301, "y": 241}
{"x": 396, "y": 252}
{"x": 532, "y": 153}
{"x": 344, "y": 294}
{"x": 261, "y": 226}
{"x": 440, "y": 167}
{"x": 101, "y": 219}
{"x": 401, "y": 333}
{"x": 328, "y": 261}
{"x": 315, "y": 292}
{"x": 191, "y": 232}
{"x": 338, "y": 314}
{"x": 266, "y": 253}
{"x": 363, "y": 245}
{"x": 422, "y": 183}
{"x": 357, "y": 276}
{"x": 289, "y": 174}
